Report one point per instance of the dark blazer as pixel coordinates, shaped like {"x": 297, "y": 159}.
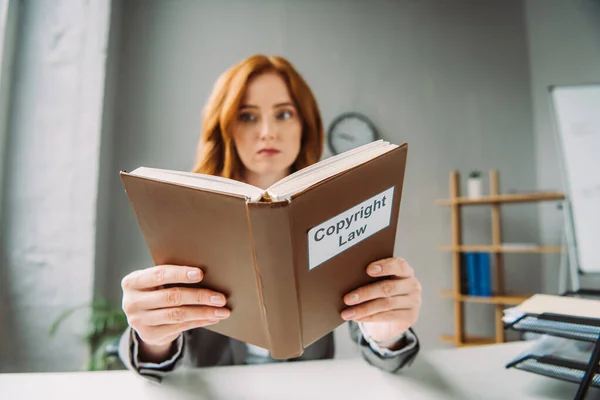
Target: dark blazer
{"x": 204, "y": 348}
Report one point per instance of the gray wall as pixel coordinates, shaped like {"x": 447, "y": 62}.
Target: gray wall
{"x": 106, "y": 171}
{"x": 564, "y": 46}
{"x": 49, "y": 232}
{"x": 449, "y": 78}
{"x": 7, "y": 50}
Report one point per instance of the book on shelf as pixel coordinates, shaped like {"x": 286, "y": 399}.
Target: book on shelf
{"x": 476, "y": 274}
{"x": 284, "y": 256}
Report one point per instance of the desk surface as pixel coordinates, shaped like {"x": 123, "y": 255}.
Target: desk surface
{"x": 466, "y": 373}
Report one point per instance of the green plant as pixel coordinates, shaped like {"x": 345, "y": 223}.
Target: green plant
{"x": 475, "y": 174}
{"x": 105, "y": 325}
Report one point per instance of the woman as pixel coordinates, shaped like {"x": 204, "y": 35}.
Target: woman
{"x": 261, "y": 123}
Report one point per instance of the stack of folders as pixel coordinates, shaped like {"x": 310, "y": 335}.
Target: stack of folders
{"x": 569, "y": 327}
{"x": 476, "y": 274}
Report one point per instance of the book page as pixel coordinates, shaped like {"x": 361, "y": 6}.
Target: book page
{"x": 327, "y": 168}
{"x": 201, "y": 181}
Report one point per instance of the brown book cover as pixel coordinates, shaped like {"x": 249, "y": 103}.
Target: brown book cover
{"x": 283, "y": 263}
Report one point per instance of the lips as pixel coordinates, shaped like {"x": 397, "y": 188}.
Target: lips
{"x": 268, "y": 152}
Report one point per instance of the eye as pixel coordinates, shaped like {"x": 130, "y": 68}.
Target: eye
{"x": 247, "y": 117}
{"x": 286, "y": 114}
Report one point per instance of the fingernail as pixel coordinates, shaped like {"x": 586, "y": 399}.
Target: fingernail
{"x": 375, "y": 269}
{"x": 221, "y": 313}
{"x": 217, "y": 300}
{"x": 348, "y": 314}
{"x": 353, "y": 298}
{"x": 193, "y": 275}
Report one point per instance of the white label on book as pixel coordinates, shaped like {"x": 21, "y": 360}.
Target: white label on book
{"x": 350, "y": 227}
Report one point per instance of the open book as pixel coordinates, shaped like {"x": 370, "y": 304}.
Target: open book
{"x": 285, "y": 256}
{"x": 281, "y": 190}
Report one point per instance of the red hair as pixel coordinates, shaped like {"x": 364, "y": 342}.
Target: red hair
{"x": 216, "y": 153}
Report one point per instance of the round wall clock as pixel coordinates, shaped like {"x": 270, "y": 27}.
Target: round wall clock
{"x": 350, "y": 130}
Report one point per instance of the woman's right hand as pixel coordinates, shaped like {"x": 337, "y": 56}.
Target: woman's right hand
{"x": 160, "y": 314}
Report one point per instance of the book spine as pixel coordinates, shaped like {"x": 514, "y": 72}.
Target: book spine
{"x": 464, "y": 277}
{"x": 484, "y": 271}
{"x": 472, "y": 278}
{"x": 270, "y": 229}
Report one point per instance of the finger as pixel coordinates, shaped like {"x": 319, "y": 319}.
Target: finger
{"x": 404, "y": 318}
{"x": 393, "y": 266}
{"x": 161, "y": 275}
{"x": 380, "y": 305}
{"x": 167, "y": 333}
{"x": 172, "y": 297}
{"x": 177, "y": 315}
{"x": 383, "y": 288}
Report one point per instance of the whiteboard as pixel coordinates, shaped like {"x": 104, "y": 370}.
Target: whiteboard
{"x": 577, "y": 122}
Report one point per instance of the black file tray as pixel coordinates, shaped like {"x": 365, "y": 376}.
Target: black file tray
{"x": 564, "y": 326}
{"x": 569, "y": 327}
{"x": 554, "y": 367}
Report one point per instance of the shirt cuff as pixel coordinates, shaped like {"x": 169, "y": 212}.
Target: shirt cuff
{"x": 411, "y": 342}
{"x": 165, "y": 365}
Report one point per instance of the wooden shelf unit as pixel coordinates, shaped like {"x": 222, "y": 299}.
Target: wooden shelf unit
{"x": 503, "y": 198}
{"x": 500, "y": 298}
{"x": 506, "y": 298}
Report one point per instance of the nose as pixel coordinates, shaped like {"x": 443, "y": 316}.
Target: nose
{"x": 267, "y": 130}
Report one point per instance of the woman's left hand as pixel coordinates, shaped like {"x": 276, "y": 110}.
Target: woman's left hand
{"x": 386, "y": 308}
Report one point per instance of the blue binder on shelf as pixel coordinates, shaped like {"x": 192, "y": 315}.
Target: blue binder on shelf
{"x": 484, "y": 268}
{"x": 471, "y": 272}
{"x": 477, "y": 269}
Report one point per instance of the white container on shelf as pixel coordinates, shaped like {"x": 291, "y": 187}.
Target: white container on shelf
{"x": 474, "y": 185}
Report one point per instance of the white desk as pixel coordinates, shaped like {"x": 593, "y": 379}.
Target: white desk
{"x": 467, "y": 373}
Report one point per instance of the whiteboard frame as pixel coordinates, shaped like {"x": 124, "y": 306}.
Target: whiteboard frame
{"x": 570, "y": 235}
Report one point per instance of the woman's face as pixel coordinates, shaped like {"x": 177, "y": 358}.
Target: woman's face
{"x": 268, "y": 130}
